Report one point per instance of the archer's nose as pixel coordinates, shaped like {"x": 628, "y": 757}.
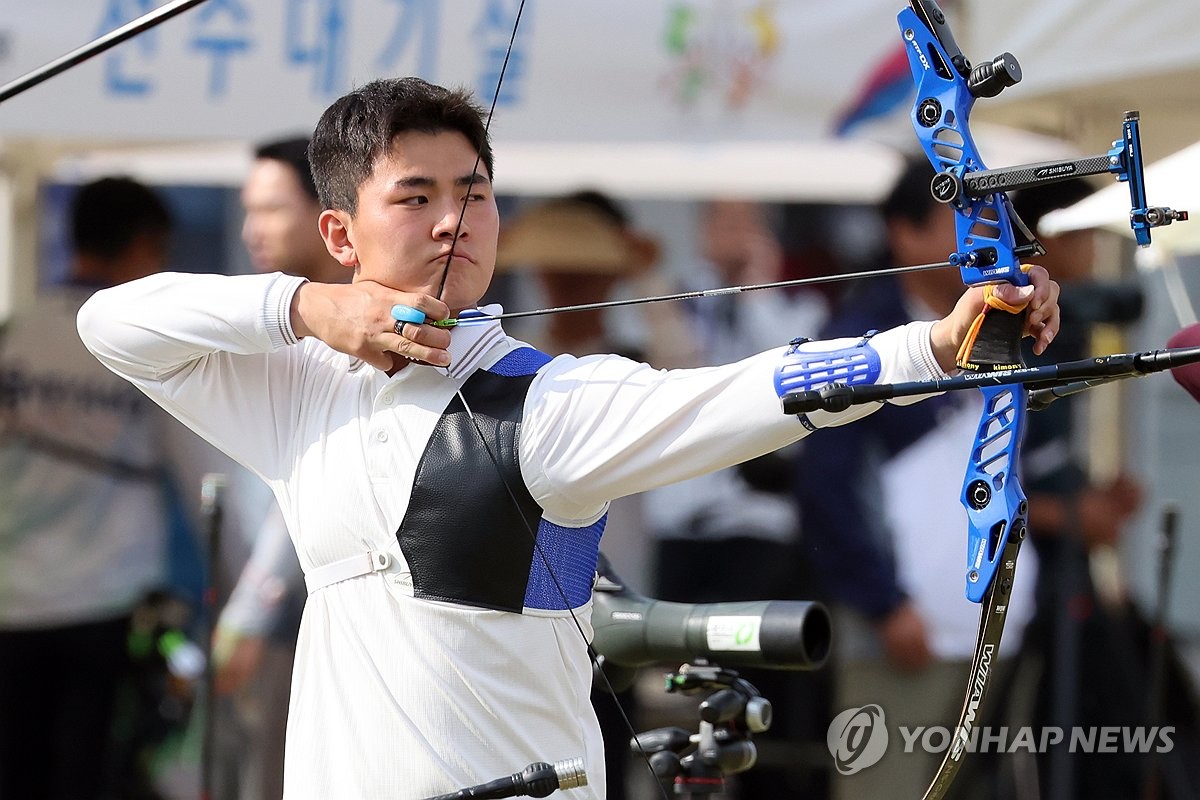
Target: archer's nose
{"x": 452, "y": 222}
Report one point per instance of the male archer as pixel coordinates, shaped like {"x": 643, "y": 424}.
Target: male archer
{"x": 446, "y": 490}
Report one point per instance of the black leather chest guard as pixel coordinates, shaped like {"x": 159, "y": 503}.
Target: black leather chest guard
{"x": 467, "y": 536}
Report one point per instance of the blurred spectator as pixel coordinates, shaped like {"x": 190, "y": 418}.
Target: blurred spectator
{"x": 883, "y": 523}
{"x": 1071, "y": 516}
{"x": 733, "y": 534}
{"x": 744, "y": 511}
{"x": 84, "y": 512}
{"x": 255, "y": 640}
{"x": 578, "y": 249}
{"x": 1067, "y": 504}
{"x": 281, "y": 205}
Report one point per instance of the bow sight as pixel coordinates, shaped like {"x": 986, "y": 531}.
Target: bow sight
{"x": 985, "y": 219}
{"x": 1124, "y": 161}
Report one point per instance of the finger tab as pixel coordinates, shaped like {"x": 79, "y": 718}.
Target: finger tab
{"x": 402, "y": 313}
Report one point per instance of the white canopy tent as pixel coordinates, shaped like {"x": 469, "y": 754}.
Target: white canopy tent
{"x": 1087, "y": 61}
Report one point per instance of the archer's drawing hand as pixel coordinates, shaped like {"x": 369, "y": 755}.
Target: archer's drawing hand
{"x": 356, "y": 319}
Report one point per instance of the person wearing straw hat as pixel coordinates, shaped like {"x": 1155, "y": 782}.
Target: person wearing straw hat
{"x": 579, "y": 249}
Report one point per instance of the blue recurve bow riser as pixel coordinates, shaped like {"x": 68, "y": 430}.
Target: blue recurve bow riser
{"x": 986, "y": 253}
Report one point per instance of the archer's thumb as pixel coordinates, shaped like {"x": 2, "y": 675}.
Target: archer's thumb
{"x": 1013, "y": 295}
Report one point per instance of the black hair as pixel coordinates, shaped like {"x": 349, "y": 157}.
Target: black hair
{"x": 1036, "y": 202}
{"x": 359, "y": 127}
{"x": 109, "y": 213}
{"x": 294, "y": 153}
{"x": 910, "y": 198}
{"x": 601, "y": 202}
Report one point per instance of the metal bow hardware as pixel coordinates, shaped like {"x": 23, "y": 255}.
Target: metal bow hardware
{"x": 989, "y": 251}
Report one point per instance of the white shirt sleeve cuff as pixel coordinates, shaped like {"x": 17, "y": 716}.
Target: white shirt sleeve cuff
{"x": 276, "y": 313}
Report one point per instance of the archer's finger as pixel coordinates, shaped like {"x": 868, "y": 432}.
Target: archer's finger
{"x": 1043, "y": 333}
{"x": 418, "y": 308}
{"x": 420, "y": 343}
{"x": 1043, "y": 302}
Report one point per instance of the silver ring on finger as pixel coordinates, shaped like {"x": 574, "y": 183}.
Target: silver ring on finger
{"x": 399, "y": 327}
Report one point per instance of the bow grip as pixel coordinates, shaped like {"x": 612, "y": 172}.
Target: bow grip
{"x": 994, "y": 340}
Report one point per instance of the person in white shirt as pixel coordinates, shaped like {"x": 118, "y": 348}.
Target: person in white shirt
{"x": 445, "y": 490}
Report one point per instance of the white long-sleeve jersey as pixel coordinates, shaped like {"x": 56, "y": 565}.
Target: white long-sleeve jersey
{"x": 393, "y": 695}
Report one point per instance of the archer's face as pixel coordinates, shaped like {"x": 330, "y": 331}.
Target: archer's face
{"x": 408, "y": 211}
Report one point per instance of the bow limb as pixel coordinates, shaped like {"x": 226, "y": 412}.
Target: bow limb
{"x": 1044, "y": 384}
{"x": 987, "y": 252}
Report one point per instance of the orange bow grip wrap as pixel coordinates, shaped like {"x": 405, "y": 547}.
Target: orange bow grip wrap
{"x": 994, "y": 339}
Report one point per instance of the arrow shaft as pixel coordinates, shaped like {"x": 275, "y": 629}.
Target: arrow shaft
{"x": 663, "y": 298}
{"x": 95, "y": 47}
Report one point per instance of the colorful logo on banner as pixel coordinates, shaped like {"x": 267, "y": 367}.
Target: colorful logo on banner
{"x": 720, "y": 51}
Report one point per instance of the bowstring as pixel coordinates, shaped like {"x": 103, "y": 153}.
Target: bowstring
{"x": 592, "y": 654}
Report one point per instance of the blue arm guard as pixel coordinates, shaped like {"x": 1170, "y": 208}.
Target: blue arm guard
{"x": 810, "y": 369}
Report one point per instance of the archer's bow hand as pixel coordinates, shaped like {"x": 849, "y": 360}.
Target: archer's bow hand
{"x": 1038, "y": 301}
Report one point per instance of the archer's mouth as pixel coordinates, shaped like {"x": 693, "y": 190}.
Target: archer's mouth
{"x": 457, "y": 256}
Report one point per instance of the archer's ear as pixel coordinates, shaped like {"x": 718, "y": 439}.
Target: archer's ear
{"x": 335, "y": 230}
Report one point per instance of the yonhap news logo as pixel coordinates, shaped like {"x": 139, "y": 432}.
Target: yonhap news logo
{"x": 857, "y": 738}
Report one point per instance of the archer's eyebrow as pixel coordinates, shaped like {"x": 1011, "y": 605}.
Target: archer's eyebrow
{"x": 476, "y": 178}
{"x": 422, "y": 181}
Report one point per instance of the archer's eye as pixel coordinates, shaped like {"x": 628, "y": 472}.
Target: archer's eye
{"x": 415, "y": 200}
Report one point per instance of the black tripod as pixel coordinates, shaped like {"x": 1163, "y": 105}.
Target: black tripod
{"x": 696, "y": 764}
